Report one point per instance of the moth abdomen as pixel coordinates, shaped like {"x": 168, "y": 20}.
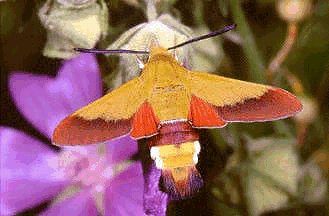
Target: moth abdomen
{"x": 174, "y": 132}
{"x": 177, "y": 162}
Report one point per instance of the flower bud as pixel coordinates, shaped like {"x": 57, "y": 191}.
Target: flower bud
{"x": 294, "y": 10}
{"x": 72, "y": 24}
{"x": 309, "y": 112}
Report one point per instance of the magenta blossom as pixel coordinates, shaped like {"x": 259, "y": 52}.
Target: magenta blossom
{"x": 87, "y": 180}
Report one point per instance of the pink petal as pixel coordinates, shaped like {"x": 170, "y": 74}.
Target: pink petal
{"x": 120, "y": 149}
{"x": 44, "y": 101}
{"x": 29, "y": 173}
{"x": 124, "y": 193}
{"x": 79, "y": 205}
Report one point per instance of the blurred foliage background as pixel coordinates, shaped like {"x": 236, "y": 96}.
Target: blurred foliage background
{"x": 240, "y": 157}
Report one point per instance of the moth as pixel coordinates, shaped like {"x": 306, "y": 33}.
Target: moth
{"x": 166, "y": 105}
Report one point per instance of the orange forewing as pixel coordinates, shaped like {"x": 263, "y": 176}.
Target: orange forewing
{"x": 106, "y": 118}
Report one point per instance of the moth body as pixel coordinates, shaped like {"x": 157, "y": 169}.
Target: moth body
{"x": 177, "y": 163}
{"x": 167, "y": 87}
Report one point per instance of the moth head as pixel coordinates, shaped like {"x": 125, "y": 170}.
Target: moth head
{"x": 157, "y": 53}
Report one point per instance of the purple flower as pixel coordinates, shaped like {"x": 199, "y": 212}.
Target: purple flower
{"x": 81, "y": 180}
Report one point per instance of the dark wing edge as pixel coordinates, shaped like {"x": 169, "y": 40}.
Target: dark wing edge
{"x": 274, "y": 104}
{"x": 75, "y": 130}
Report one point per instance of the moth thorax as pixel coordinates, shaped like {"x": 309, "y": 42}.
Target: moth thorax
{"x": 176, "y": 155}
{"x": 174, "y": 132}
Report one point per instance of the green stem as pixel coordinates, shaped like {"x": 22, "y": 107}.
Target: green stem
{"x": 256, "y": 63}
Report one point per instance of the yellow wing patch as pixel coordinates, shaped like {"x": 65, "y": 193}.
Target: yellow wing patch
{"x": 120, "y": 103}
{"x": 220, "y": 91}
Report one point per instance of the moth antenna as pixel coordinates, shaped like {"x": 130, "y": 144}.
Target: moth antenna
{"x": 155, "y": 42}
{"x": 202, "y": 37}
{"x": 110, "y": 51}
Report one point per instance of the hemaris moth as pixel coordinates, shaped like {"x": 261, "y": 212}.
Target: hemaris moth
{"x": 167, "y": 104}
